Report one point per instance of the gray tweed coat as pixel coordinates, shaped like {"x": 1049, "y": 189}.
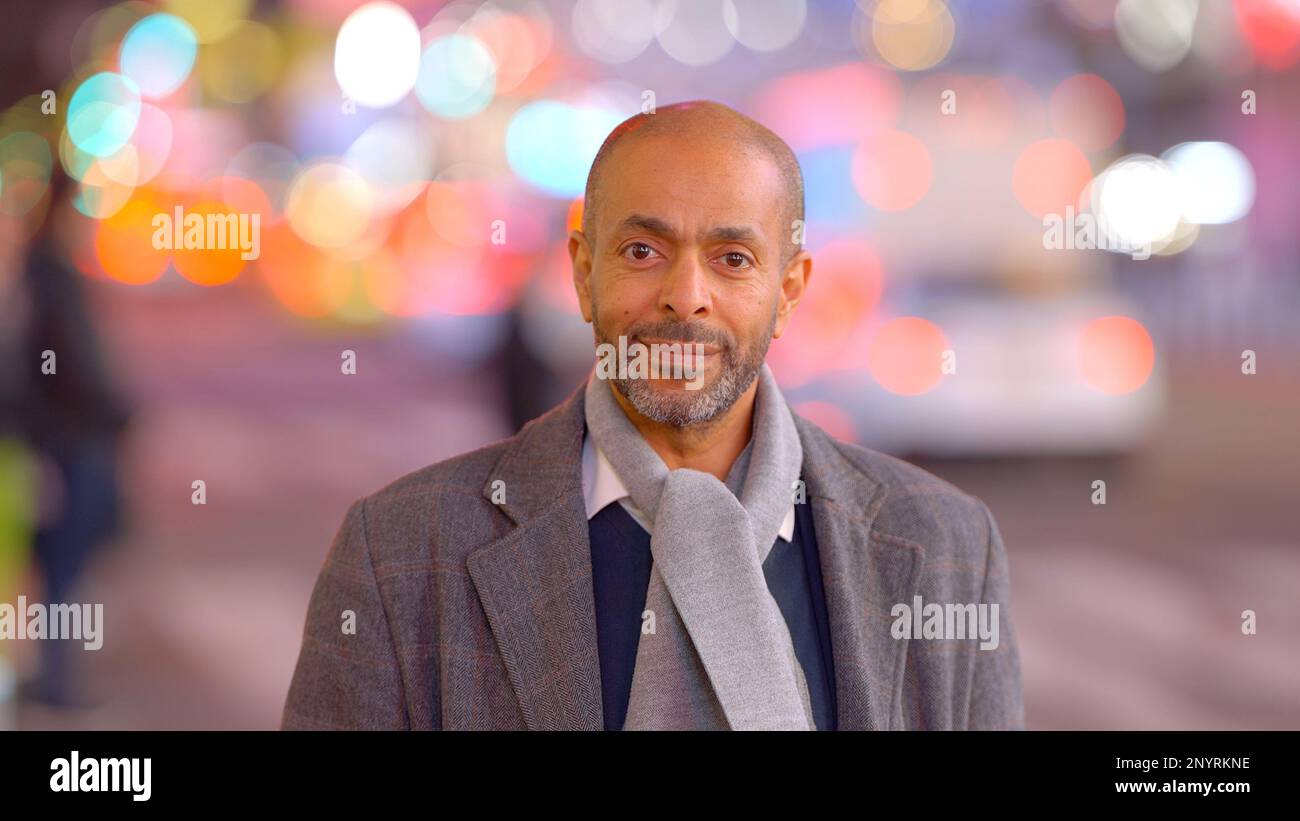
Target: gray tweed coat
{"x": 476, "y": 615}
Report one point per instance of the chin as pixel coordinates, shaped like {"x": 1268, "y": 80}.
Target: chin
{"x": 669, "y": 403}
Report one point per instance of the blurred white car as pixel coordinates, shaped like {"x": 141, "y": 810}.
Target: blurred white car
{"x": 1019, "y": 386}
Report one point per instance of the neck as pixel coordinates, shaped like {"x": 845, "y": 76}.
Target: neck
{"x": 709, "y": 447}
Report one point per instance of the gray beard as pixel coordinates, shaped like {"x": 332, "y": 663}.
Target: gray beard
{"x": 682, "y": 408}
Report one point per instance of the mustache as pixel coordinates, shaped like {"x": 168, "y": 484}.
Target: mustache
{"x": 688, "y": 332}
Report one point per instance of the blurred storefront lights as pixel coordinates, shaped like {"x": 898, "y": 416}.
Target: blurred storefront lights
{"x": 839, "y": 105}
{"x": 103, "y": 113}
{"x": 457, "y": 77}
{"x": 1088, "y": 111}
{"x": 1115, "y": 354}
{"x": 1156, "y": 34}
{"x": 244, "y": 64}
{"x": 211, "y": 20}
{"x": 551, "y": 144}
{"x": 1049, "y": 176}
{"x": 158, "y": 54}
{"x": 330, "y": 205}
{"x": 765, "y": 25}
{"x": 1138, "y": 201}
{"x": 911, "y": 35}
{"x": 613, "y": 31}
{"x": 906, "y": 355}
{"x": 892, "y": 170}
{"x": 396, "y": 158}
{"x": 1216, "y": 180}
{"x": 693, "y": 32}
{"x": 377, "y": 54}
{"x": 1272, "y": 28}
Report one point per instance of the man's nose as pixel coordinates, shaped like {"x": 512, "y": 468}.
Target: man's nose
{"x": 684, "y": 290}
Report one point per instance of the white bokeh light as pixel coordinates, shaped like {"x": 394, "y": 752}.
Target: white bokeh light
{"x": 1217, "y": 181}
{"x": 377, "y": 54}
{"x": 613, "y": 31}
{"x": 765, "y": 25}
{"x": 396, "y": 158}
{"x": 1138, "y": 200}
{"x": 1156, "y": 34}
{"x": 693, "y": 32}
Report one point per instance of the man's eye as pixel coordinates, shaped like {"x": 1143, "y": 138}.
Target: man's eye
{"x": 639, "y": 251}
{"x": 735, "y": 260}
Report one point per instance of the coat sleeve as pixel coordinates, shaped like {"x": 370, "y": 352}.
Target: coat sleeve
{"x": 996, "y": 698}
{"x": 347, "y": 676}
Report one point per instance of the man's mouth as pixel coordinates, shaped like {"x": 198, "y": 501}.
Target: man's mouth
{"x": 688, "y": 348}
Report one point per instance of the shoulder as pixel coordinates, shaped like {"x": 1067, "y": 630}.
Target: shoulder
{"x": 464, "y": 474}
{"x": 442, "y": 509}
{"x": 402, "y": 518}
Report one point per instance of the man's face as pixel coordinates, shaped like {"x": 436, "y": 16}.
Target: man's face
{"x": 688, "y": 248}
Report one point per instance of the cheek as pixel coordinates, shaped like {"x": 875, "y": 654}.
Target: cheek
{"x": 621, "y": 298}
{"x": 753, "y": 312}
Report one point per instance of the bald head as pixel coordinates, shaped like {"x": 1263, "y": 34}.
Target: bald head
{"x": 700, "y": 120}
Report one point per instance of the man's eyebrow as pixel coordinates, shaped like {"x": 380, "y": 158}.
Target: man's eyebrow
{"x": 732, "y": 233}
{"x": 654, "y": 225}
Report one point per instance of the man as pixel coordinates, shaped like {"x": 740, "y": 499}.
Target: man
{"x": 671, "y": 550}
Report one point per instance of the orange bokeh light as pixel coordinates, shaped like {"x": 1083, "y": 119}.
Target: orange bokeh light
{"x": 124, "y": 243}
{"x": 845, "y": 288}
{"x": 243, "y": 196}
{"x": 834, "y": 106}
{"x": 303, "y": 278}
{"x": 1088, "y": 111}
{"x": 1049, "y": 176}
{"x": 457, "y": 213}
{"x": 211, "y": 264}
{"x": 906, "y": 355}
{"x": 1272, "y": 28}
{"x": 829, "y": 417}
{"x": 1116, "y": 355}
{"x": 892, "y": 170}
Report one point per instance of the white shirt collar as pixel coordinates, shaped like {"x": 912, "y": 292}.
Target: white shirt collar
{"x": 602, "y": 487}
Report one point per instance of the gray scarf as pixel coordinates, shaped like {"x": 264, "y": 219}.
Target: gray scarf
{"x": 720, "y": 655}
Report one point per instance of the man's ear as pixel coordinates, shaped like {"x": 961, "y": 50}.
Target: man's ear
{"x": 794, "y": 280}
{"x": 580, "y": 259}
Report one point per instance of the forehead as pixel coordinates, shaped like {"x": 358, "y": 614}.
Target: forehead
{"x": 691, "y": 182}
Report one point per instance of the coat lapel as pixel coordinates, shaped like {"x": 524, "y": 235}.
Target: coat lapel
{"x": 535, "y": 582}
{"x": 864, "y": 576}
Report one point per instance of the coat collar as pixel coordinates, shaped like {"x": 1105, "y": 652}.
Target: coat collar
{"x": 535, "y": 582}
